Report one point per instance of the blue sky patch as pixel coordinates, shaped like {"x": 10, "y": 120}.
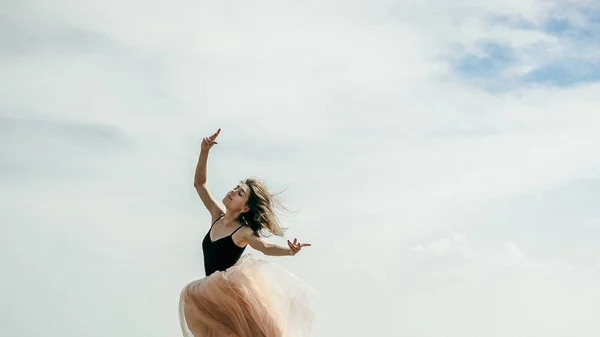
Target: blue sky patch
{"x": 512, "y": 21}
{"x": 565, "y": 73}
{"x": 577, "y": 31}
{"x": 495, "y": 58}
{"x": 557, "y": 26}
{"x": 585, "y": 27}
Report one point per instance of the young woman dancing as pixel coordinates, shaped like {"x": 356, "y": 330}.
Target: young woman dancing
{"x": 243, "y": 296}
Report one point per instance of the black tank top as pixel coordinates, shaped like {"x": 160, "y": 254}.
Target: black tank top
{"x": 220, "y": 254}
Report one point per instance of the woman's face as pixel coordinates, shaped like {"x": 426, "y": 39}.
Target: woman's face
{"x": 236, "y": 199}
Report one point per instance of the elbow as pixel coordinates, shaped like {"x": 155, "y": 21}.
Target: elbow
{"x": 264, "y": 248}
{"x": 260, "y": 245}
{"x": 198, "y": 183}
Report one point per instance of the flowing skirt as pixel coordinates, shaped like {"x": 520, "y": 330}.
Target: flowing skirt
{"x": 254, "y": 298}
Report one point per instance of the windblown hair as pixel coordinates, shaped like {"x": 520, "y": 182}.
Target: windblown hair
{"x": 262, "y": 217}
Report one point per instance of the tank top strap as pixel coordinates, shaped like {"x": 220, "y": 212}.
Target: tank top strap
{"x": 236, "y": 230}
{"x": 219, "y": 218}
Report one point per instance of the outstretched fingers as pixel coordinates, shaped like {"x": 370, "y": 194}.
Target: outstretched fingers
{"x": 298, "y": 244}
{"x": 295, "y": 246}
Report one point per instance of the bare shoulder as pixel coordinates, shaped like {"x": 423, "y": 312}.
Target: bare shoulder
{"x": 243, "y": 236}
{"x": 246, "y": 232}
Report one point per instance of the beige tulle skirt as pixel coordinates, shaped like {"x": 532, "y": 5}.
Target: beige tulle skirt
{"x": 254, "y": 298}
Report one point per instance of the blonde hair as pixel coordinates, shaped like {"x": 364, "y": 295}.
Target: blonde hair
{"x": 262, "y": 217}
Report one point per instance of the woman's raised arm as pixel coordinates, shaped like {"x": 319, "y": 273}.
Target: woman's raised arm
{"x": 208, "y": 200}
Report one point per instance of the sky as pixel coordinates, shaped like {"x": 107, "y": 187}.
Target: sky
{"x": 440, "y": 156}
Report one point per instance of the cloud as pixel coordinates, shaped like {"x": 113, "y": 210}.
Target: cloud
{"x": 446, "y": 251}
{"x": 511, "y": 256}
{"x": 556, "y": 53}
{"x": 455, "y": 247}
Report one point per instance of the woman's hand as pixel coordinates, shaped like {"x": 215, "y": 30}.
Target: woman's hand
{"x": 296, "y": 246}
{"x": 208, "y": 142}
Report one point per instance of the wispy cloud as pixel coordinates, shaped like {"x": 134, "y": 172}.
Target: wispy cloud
{"x": 561, "y": 55}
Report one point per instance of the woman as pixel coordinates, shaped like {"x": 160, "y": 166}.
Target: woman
{"x": 243, "y": 296}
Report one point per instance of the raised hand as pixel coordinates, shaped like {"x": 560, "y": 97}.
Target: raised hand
{"x": 296, "y": 246}
{"x": 208, "y": 142}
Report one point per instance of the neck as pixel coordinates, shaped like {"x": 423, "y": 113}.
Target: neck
{"x": 231, "y": 216}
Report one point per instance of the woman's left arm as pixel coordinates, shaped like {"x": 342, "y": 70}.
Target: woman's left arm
{"x": 273, "y": 249}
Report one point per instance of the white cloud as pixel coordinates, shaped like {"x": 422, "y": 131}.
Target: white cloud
{"x": 456, "y": 246}
{"x": 511, "y": 256}
{"x": 512, "y": 251}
